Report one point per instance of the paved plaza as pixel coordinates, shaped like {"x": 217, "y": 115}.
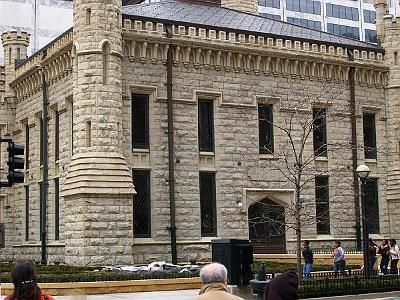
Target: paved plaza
{"x": 188, "y": 294}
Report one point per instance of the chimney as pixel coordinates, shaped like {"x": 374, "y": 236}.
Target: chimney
{"x": 249, "y": 6}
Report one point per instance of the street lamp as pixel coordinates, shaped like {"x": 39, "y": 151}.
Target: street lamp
{"x": 363, "y": 172}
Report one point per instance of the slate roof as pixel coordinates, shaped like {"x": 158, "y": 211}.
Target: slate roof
{"x": 211, "y": 15}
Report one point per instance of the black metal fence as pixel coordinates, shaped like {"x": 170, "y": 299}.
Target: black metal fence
{"x": 328, "y": 274}
{"x": 348, "y": 286}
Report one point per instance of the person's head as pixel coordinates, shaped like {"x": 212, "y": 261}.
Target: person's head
{"x": 392, "y": 242}
{"x": 283, "y": 287}
{"x": 23, "y": 277}
{"x": 385, "y": 242}
{"x": 306, "y": 243}
{"x": 338, "y": 244}
{"x": 214, "y": 273}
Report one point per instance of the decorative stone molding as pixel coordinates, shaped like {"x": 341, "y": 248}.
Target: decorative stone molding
{"x": 207, "y": 161}
{"x": 238, "y": 52}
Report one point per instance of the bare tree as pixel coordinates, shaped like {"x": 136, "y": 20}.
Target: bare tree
{"x": 303, "y": 117}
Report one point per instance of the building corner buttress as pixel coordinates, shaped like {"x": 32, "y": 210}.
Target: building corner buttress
{"x": 388, "y": 29}
{"x": 98, "y": 189}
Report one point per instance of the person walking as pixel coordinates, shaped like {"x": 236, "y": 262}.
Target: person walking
{"x": 372, "y": 249}
{"x": 383, "y": 250}
{"x": 23, "y": 277}
{"x": 308, "y": 259}
{"x": 339, "y": 259}
{"x": 214, "y": 278}
{"x": 394, "y": 256}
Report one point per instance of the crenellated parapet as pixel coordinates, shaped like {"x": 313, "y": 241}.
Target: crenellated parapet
{"x": 239, "y": 52}
{"x": 15, "y": 46}
{"x": 55, "y": 61}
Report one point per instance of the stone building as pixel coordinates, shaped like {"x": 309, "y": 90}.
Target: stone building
{"x": 221, "y": 83}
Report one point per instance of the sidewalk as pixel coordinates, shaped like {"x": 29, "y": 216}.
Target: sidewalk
{"x": 188, "y": 294}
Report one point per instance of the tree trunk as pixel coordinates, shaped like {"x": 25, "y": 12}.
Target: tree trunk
{"x": 298, "y": 233}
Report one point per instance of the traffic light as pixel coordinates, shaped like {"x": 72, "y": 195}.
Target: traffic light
{"x": 15, "y": 163}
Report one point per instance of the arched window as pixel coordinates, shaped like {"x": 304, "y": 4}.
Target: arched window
{"x": 9, "y": 56}
{"x": 18, "y": 53}
{"x": 106, "y": 58}
{"x": 88, "y": 15}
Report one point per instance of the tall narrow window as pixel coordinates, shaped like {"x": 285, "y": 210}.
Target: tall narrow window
{"x": 206, "y": 125}
{"x": 26, "y": 146}
{"x": 106, "y": 55}
{"x": 41, "y": 210}
{"x": 372, "y": 206}
{"x": 141, "y": 204}
{"x": 88, "y": 133}
{"x": 208, "y": 204}
{"x": 9, "y": 56}
{"x": 27, "y": 213}
{"x": 396, "y": 58}
{"x": 88, "y": 16}
{"x": 140, "y": 121}
{"x": 57, "y": 136}
{"x": 322, "y": 204}
{"x": 319, "y": 132}
{"x": 41, "y": 141}
{"x": 71, "y": 126}
{"x": 369, "y": 135}
{"x": 18, "y": 53}
{"x": 56, "y": 209}
{"x": 265, "y": 129}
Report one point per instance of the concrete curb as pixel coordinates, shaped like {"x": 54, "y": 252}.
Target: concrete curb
{"x": 111, "y": 287}
{"x": 361, "y": 297}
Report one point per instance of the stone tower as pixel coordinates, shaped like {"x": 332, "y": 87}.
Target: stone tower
{"x": 388, "y": 29}
{"x": 98, "y": 189}
{"x": 15, "y": 47}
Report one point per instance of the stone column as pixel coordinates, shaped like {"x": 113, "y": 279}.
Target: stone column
{"x": 98, "y": 189}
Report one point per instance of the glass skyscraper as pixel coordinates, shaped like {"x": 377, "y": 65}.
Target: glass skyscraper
{"x": 350, "y": 18}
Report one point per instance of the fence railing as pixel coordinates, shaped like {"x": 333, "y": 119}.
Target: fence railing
{"x": 353, "y": 285}
{"x": 328, "y": 274}
{"x": 327, "y": 251}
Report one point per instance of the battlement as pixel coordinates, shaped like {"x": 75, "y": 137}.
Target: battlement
{"x": 249, "y": 41}
{"x": 51, "y": 49}
{"x": 391, "y": 22}
{"x": 15, "y": 38}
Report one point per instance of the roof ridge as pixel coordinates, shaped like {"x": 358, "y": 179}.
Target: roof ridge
{"x": 305, "y": 32}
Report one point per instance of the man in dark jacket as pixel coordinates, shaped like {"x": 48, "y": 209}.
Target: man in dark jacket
{"x": 283, "y": 287}
{"x": 308, "y": 259}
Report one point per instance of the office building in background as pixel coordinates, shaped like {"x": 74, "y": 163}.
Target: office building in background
{"x": 43, "y": 19}
{"x": 349, "y": 18}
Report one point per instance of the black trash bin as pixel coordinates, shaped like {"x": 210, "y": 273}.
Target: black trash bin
{"x": 237, "y": 256}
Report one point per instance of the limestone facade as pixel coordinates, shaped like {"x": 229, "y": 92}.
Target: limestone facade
{"x": 91, "y": 73}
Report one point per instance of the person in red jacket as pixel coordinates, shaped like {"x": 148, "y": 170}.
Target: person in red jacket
{"x": 23, "y": 277}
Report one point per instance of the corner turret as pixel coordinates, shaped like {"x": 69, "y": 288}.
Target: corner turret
{"x": 15, "y": 48}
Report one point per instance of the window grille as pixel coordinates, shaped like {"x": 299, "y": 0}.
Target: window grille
{"x": 322, "y": 204}
{"x": 208, "y": 204}
{"x": 141, "y": 204}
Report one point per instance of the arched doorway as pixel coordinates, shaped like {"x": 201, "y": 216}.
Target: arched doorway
{"x": 267, "y": 227}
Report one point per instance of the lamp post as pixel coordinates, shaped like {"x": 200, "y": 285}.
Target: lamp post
{"x": 363, "y": 172}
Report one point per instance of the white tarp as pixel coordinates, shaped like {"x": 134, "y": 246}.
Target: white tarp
{"x": 43, "y": 19}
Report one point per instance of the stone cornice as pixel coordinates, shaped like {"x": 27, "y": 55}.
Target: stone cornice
{"x": 146, "y": 42}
